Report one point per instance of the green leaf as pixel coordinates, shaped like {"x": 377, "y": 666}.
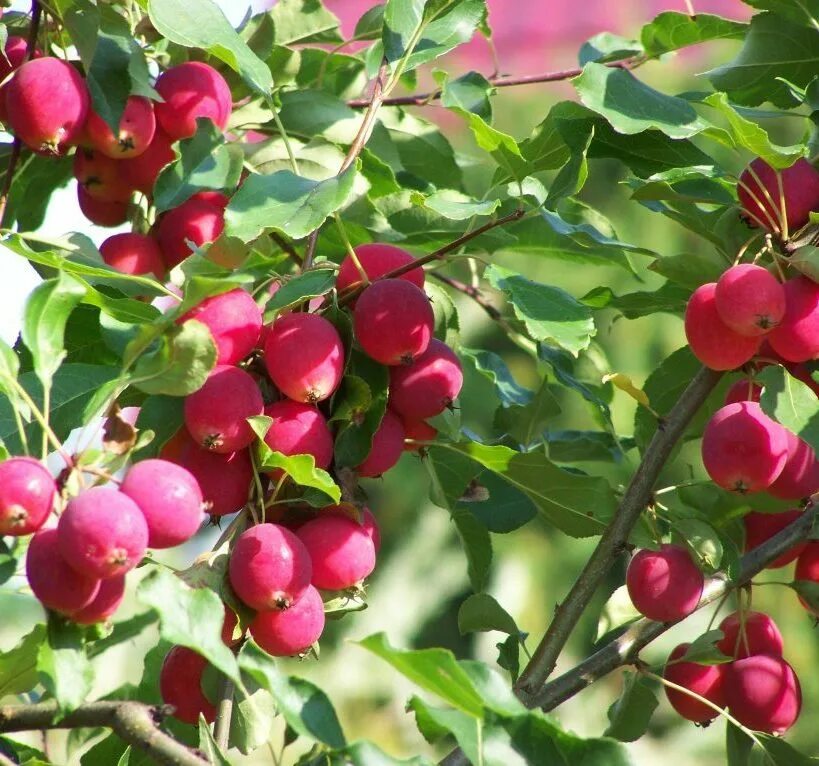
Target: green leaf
{"x": 456, "y": 206}
{"x": 477, "y": 546}
{"x": 252, "y": 718}
{"x": 630, "y": 715}
{"x": 703, "y": 541}
{"x": 469, "y": 93}
{"x": 790, "y": 402}
{"x": 301, "y": 21}
{"x": 781, "y": 753}
{"x": 371, "y": 24}
{"x": 631, "y": 106}
{"x": 301, "y": 468}
{"x": 806, "y": 260}
{"x": 181, "y": 364}
{"x": 436, "y": 723}
{"x": 617, "y": 612}
{"x": 207, "y": 744}
{"x": 549, "y": 313}
{"x": 481, "y": 612}
{"x": 190, "y": 617}
{"x": 310, "y": 284}
{"x": 606, "y": 46}
{"x": 34, "y": 184}
{"x": 434, "y": 670}
{"x": 579, "y": 446}
{"x": 738, "y": 745}
{"x": 526, "y": 423}
{"x": 126, "y": 630}
{"x": 671, "y": 31}
{"x": 803, "y": 12}
{"x": 285, "y": 201}
{"x": 304, "y": 706}
{"x": 203, "y": 25}
{"x": 162, "y": 415}
{"x": 773, "y": 48}
{"x": 205, "y": 161}
{"x": 18, "y": 666}
{"x": 402, "y": 19}
{"x": 63, "y": 666}
{"x": 46, "y": 314}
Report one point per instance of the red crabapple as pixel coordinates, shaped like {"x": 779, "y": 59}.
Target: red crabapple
{"x": 290, "y": 631}
{"x": 269, "y": 567}
{"x": 796, "y": 338}
{"x": 14, "y": 55}
{"x": 749, "y": 299}
{"x": 393, "y": 321}
{"x": 102, "y": 212}
{"x": 229, "y": 627}
{"x": 100, "y": 176}
{"x": 341, "y": 550}
{"x": 223, "y": 478}
{"x": 102, "y": 533}
{"x": 180, "y": 684}
{"x": 377, "y": 259}
{"x": 387, "y": 446}
{"x": 133, "y": 253}
{"x": 141, "y": 172}
{"x": 136, "y": 130}
{"x": 304, "y": 357}
{"x": 105, "y": 603}
{"x": 53, "y": 581}
{"x": 170, "y": 499}
{"x": 370, "y": 526}
{"x": 714, "y": 343}
{"x": 664, "y": 585}
{"x": 707, "y": 681}
{"x": 761, "y": 527}
{"x": 743, "y": 450}
{"x": 427, "y": 386}
{"x": 215, "y": 198}
{"x": 299, "y": 429}
{"x": 190, "y": 90}
{"x": 744, "y": 390}
{"x": 234, "y": 321}
{"x": 807, "y": 568}
{"x": 763, "y": 693}
{"x": 27, "y": 494}
{"x": 417, "y": 431}
{"x": 47, "y": 103}
{"x": 196, "y": 221}
{"x": 749, "y": 633}
{"x": 800, "y": 476}
{"x": 762, "y": 201}
{"x": 216, "y": 415}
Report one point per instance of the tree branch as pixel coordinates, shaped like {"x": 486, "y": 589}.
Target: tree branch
{"x": 136, "y": 723}
{"x": 635, "y": 500}
{"x": 422, "y": 99}
{"x": 17, "y": 146}
{"x": 224, "y": 714}
{"x": 471, "y": 292}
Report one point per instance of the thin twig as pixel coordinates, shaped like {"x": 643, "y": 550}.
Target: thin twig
{"x": 471, "y": 292}
{"x": 136, "y": 723}
{"x": 224, "y": 714}
{"x": 422, "y": 99}
{"x": 17, "y": 146}
{"x": 286, "y": 247}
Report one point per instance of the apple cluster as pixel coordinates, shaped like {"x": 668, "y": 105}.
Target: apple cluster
{"x": 46, "y": 104}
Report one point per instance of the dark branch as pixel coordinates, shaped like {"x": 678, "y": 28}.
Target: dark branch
{"x": 469, "y": 291}
{"x": 136, "y": 723}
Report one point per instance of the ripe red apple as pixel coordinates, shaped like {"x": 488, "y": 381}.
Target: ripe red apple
{"x": 136, "y": 130}
{"x": 47, "y": 104}
{"x": 104, "y": 604}
{"x": 427, "y": 386}
{"x": 664, "y": 585}
{"x": 744, "y": 390}
{"x": 299, "y": 429}
{"x": 304, "y": 357}
{"x": 743, "y": 450}
{"x": 800, "y": 476}
{"x": 27, "y": 494}
{"x": 190, "y": 90}
{"x": 141, "y": 172}
{"x": 763, "y": 693}
{"x": 133, "y": 253}
{"x": 749, "y": 299}
{"x": 15, "y": 53}
{"x": 196, "y": 221}
{"x": 341, "y": 550}
{"x": 100, "y": 176}
{"x": 180, "y": 684}
{"x": 796, "y": 338}
{"x": 102, "y": 212}
{"x": 284, "y": 633}
{"x": 705, "y": 680}
{"x": 714, "y": 343}
{"x": 749, "y": 633}
{"x": 417, "y": 431}
{"x": 377, "y": 259}
{"x": 388, "y": 444}
{"x": 760, "y": 527}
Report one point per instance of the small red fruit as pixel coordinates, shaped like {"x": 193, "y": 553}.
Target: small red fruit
{"x": 216, "y": 415}
{"x": 370, "y": 526}
{"x": 102, "y": 533}
{"x": 714, "y": 343}
{"x": 57, "y": 585}
{"x": 341, "y": 550}
{"x": 215, "y": 198}
{"x": 180, "y": 684}
{"x": 133, "y": 253}
{"x": 800, "y": 476}
{"x": 47, "y": 104}
{"x": 192, "y": 90}
{"x": 304, "y": 357}
{"x": 234, "y": 321}
{"x": 169, "y": 498}
{"x": 101, "y": 212}
{"x": 749, "y": 633}
{"x": 761, "y": 527}
{"x": 15, "y": 54}
{"x": 196, "y": 221}
{"x": 664, "y": 585}
{"x": 705, "y": 680}
{"x": 388, "y": 444}
{"x": 105, "y": 603}
{"x": 377, "y": 260}
{"x": 27, "y": 494}
{"x": 796, "y": 338}
{"x": 299, "y": 429}
{"x": 417, "y": 431}
{"x": 749, "y": 299}
{"x": 100, "y": 176}
{"x": 229, "y": 627}
{"x": 429, "y": 385}
{"x": 807, "y": 568}
{"x": 141, "y": 172}
{"x": 743, "y": 450}
{"x": 269, "y": 567}
{"x": 290, "y": 631}
{"x": 743, "y": 391}
{"x": 393, "y": 321}
{"x": 763, "y": 693}
{"x": 136, "y": 130}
